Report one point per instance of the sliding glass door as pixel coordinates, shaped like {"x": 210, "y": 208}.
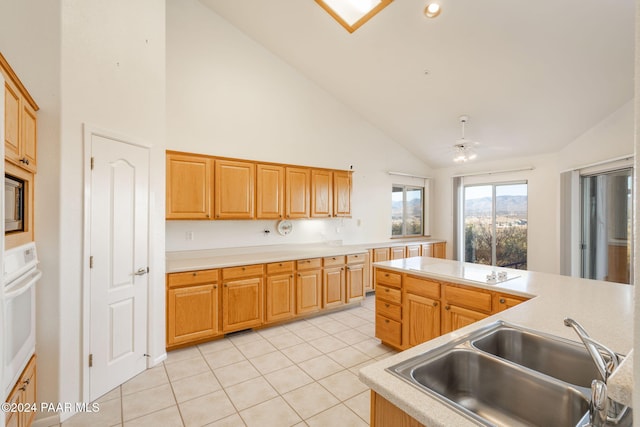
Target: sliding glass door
{"x": 607, "y": 225}
{"x": 495, "y": 224}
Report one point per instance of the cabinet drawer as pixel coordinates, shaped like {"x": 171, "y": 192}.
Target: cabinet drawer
{"x": 308, "y": 264}
{"x": 333, "y": 260}
{"x": 469, "y": 298}
{"x": 244, "y": 271}
{"x": 280, "y": 267}
{"x": 356, "y": 258}
{"x": 388, "y": 278}
{"x": 192, "y": 277}
{"x": 388, "y": 309}
{"x": 423, "y": 287}
{"x": 388, "y": 330}
{"x": 388, "y": 294}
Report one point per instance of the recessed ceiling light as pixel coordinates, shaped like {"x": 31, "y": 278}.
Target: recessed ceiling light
{"x": 432, "y": 10}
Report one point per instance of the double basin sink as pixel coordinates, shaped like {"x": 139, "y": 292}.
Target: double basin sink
{"x": 505, "y": 375}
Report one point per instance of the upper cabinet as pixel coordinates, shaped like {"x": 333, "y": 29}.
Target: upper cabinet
{"x": 189, "y": 186}
{"x": 269, "y": 191}
{"x": 297, "y": 186}
{"x": 234, "y": 189}
{"x": 20, "y": 121}
{"x": 342, "y": 193}
{"x": 208, "y": 187}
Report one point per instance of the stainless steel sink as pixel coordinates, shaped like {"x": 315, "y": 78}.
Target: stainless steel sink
{"x": 561, "y": 359}
{"x": 498, "y": 392}
{"x": 504, "y": 375}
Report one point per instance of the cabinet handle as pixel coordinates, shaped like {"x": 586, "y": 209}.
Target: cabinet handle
{"x": 502, "y": 301}
{"x": 195, "y": 274}
{"x": 447, "y": 307}
{"x": 23, "y": 388}
{"x": 208, "y": 216}
{"x": 386, "y": 320}
{"x": 386, "y": 275}
{"x": 291, "y": 276}
{"x": 435, "y": 304}
{"x": 244, "y": 268}
{"x": 333, "y": 258}
{"x": 386, "y": 305}
{"x": 386, "y": 290}
{"x": 226, "y": 285}
{"x": 215, "y": 286}
{"x": 299, "y": 275}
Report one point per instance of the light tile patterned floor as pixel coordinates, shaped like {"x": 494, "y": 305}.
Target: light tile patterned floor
{"x": 303, "y": 373}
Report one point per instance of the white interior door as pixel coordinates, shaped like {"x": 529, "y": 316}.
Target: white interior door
{"x": 119, "y": 260}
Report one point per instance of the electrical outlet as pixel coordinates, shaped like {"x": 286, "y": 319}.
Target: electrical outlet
{"x": 189, "y": 235}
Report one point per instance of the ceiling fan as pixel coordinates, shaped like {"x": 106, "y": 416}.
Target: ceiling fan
{"x": 463, "y": 148}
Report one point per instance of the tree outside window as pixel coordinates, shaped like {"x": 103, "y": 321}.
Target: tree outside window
{"x": 407, "y": 210}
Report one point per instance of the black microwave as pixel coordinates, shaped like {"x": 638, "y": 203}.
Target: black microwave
{"x": 14, "y": 198}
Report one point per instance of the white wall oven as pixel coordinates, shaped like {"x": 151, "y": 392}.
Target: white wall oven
{"x": 20, "y": 277}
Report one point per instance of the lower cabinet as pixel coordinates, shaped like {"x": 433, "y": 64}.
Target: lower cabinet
{"x": 309, "y": 286}
{"x": 386, "y": 414}
{"x": 355, "y": 277}
{"x": 280, "y": 292}
{"x": 23, "y": 395}
{"x": 422, "y": 319}
{"x": 192, "y": 307}
{"x": 242, "y": 297}
{"x": 464, "y": 306}
{"x": 334, "y": 285}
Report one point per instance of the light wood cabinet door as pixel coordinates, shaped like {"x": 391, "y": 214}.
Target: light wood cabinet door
{"x": 192, "y": 313}
{"x": 454, "y": 317}
{"x": 427, "y": 249}
{"x": 234, "y": 184}
{"x": 280, "y": 298}
{"x": 440, "y": 250}
{"x": 11, "y": 122}
{"x": 28, "y": 137}
{"x": 297, "y": 189}
{"x": 269, "y": 192}
{"x": 342, "y": 186}
{"x": 421, "y": 319}
{"x": 189, "y": 187}
{"x": 12, "y": 419}
{"x": 386, "y": 414}
{"x": 413, "y": 250}
{"x": 503, "y": 302}
{"x": 321, "y": 193}
{"x": 397, "y": 252}
{"x": 381, "y": 254}
{"x": 355, "y": 282}
{"x": 242, "y": 302}
{"x": 23, "y": 393}
{"x": 309, "y": 291}
{"x": 333, "y": 287}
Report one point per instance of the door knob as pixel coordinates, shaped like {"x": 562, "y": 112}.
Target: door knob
{"x": 142, "y": 271}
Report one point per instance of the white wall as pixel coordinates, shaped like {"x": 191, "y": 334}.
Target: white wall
{"x": 228, "y": 96}
{"x": 611, "y": 138}
{"x": 30, "y": 41}
{"x": 113, "y": 77}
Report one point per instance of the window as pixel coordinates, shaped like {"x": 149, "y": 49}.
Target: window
{"x": 406, "y": 210}
{"x": 495, "y": 224}
{"x": 351, "y": 14}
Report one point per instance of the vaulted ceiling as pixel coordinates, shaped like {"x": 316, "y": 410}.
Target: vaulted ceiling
{"x": 531, "y": 76}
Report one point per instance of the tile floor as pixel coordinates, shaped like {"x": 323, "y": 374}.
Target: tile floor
{"x": 303, "y": 373}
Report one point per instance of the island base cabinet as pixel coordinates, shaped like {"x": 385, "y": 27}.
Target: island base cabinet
{"x": 242, "y": 302}
{"x": 192, "y": 314}
{"x": 386, "y": 414}
{"x": 389, "y": 331}
{"x": 454, "y": 317}
{"x": 422, "y": 319}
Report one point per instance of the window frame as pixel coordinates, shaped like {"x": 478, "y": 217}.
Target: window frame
{"x": 405, "y": 188}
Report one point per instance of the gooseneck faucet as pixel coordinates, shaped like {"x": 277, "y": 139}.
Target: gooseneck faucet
{"x": 600, "y": 405}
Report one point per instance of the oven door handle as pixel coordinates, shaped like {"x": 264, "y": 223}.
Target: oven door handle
{"x": 21, "y": 288}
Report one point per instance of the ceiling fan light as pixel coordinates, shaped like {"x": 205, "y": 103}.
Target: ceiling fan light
{"x": 432, "y": 10}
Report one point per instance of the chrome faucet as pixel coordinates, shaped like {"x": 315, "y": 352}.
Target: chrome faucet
{"x": 600, "y": 405}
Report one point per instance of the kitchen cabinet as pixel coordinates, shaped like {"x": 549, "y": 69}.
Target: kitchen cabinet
{"x": 23, "y": 394}
{"x": 280, "y": 291}
{"x": 321, "y": 193}
{"x": 20, "y": 121}
{"x": 412, "y": 250}
{"x": 380, "y": 254}
{"x": 297, "y": 188}
{"x": 192, "y": 307}
{"x": 342, "y": 188}
{"x": 333, "y": 278}
{"x": 234, "y": 185}
{"x": 269, "y": 191}
{"x": 397, "y": 252}
{"x": 386, "y": 414}
{"x": 421, "y": 309}
{"x": 355, "y": 274}
{"x": 388, "y": 307}
{"x": 464, "y": 306}
{"x": 309, "y": 286}
{"x": 189, "y": 187}
{"x": 503, "y": 302}
{"x": 440, "y": 250}
{"x": 242, "y": 297}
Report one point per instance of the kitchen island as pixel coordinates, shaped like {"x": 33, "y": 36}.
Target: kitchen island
{"x": 604, "y": 309}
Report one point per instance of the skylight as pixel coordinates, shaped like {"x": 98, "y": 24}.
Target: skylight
{"x": 351, "y": 14}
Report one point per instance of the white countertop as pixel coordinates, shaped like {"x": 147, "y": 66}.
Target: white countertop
{"x": 180, "y": 261}
{"x": 604, "y": 309}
